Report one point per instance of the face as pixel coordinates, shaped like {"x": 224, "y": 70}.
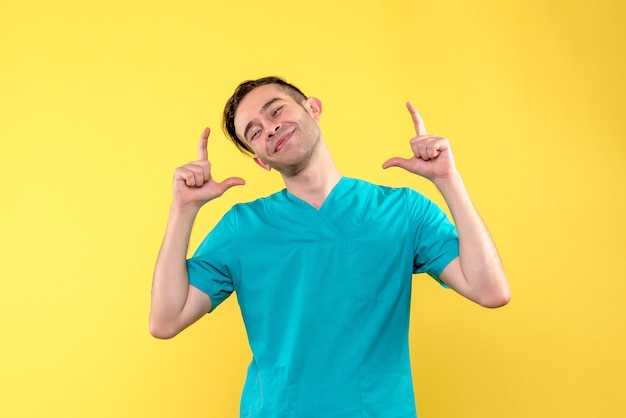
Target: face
{"x": 282, "y": 133}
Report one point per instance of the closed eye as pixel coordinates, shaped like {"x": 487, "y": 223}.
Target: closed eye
{"x": 277, "y": 111}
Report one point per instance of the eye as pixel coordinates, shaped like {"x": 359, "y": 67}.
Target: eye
{"x": 255, "y": 134}
{"x": 276, "y": 111}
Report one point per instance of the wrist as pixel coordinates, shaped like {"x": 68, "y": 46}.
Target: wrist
{"x": 184, "y": 209}
{"x": 448, "y": 181}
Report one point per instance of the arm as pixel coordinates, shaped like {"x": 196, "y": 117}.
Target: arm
{"x": 477, "y": 273}
{"x": 175, "y": 304}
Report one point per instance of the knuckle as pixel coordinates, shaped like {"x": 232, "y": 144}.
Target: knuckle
{"x": 180, "y": 173}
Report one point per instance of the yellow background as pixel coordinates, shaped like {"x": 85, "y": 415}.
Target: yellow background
{"x": 100, "y": 101}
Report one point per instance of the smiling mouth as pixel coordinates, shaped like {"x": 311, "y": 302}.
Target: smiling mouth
{"x": 280, "y": 142}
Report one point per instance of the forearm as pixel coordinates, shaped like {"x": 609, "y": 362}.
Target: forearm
{"x": 480, "y": 262}
{"x": 170, "y": 285}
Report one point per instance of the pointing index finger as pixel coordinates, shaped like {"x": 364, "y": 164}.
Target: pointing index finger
{"x": 420, "y": 129}
{"x": 203, "y": 154}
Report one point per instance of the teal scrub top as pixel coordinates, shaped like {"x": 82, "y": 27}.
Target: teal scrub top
{"x": 325, "y": 296}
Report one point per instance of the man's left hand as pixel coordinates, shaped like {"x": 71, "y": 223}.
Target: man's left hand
{"x": 432, "y": 157}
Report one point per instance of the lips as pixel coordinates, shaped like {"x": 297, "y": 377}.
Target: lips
{"x": 282, "y": 140}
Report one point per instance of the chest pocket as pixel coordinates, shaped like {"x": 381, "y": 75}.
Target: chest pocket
{"x": 374, "y": 270}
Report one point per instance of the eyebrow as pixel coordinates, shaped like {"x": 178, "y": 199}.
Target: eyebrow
{"x": 263, "y": 110}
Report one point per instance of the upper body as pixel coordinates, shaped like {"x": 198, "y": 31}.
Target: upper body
{"x": 280, "y": 128}
{"x": 325, "y": 295}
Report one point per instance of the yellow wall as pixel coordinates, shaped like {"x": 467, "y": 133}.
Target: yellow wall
{"x": 100, "y": 101}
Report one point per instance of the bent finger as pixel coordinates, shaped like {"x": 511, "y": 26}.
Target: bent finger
{"x": 185, "y": 175}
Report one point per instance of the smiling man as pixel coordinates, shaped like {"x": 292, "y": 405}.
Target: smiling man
{"x": 322, "y": 268}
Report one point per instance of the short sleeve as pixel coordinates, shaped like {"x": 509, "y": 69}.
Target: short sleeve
{"x": 436, "y": 241}
{"x": 210, "y": 268}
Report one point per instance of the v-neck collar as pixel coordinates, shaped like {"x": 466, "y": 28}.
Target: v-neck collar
{"x": 334, "y": 194}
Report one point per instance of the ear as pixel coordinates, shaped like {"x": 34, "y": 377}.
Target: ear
{"x": 261, "y": 164}
{"x": 314, "y": 106}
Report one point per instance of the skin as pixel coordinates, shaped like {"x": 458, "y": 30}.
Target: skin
{"x": 285, "y": 135}
{"x": 477, "y": 273}
{"x": 303, "y": 158}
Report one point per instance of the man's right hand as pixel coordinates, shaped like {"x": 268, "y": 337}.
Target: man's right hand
{"x": 193, "y": 184}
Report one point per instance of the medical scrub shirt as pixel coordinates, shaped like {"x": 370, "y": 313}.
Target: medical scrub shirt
{"x": 325, "y": 296}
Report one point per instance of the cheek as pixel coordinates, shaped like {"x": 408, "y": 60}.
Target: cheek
{"x": 310, "y": 127}
{"x": 256, "y": 150}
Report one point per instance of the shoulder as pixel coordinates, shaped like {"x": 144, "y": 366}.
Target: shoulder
{"x": 380, "y": 191}
{"x": 254, "y": 210}
{"x": 375, "y": 202}
{"x": 259, "y": 204}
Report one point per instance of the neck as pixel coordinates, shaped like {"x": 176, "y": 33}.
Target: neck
{"x": 314, "y": 183}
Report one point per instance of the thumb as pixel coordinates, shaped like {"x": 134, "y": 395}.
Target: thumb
{"x": 232, "y": 181}
{"x": 397, "y": 162}
{"x": 227, "y": 184}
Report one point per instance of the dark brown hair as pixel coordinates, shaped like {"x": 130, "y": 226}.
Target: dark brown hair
{"x": 228, "y": 121}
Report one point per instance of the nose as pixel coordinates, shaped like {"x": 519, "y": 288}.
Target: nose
{"x": 272, "y": 131}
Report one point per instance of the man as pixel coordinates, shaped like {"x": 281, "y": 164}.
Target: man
{"x": 323, "y": 268}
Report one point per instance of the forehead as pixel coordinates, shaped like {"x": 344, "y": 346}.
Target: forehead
{"x": 250, "y": 106}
